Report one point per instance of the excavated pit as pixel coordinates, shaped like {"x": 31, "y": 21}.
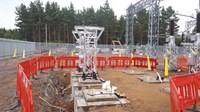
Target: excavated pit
{"x": 52, "y": 92}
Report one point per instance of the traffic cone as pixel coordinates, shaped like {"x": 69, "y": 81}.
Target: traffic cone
{"x": 120, "y": 54}
{"x": 50, "y": 52}
{"x": 72, "y": 54}
{"x": 14, "y": 53}
{"x": 166, "y": 67}
{"x": 148, "y": 62}
{"x": 24, "y": 54}
{"x": 132, "y": 59}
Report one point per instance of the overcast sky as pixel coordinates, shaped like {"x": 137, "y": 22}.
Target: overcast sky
{"x": 7, "y": 8}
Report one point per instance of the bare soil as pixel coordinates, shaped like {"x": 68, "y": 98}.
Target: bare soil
{"x": 8, "y": 70}
{"x": 143, "y": 97}
{"x": 54, "y": 87}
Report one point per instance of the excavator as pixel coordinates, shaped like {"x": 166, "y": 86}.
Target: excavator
{"x": 117, "y": 50}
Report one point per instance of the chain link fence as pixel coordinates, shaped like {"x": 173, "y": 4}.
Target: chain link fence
{"x": 7, "y": 47}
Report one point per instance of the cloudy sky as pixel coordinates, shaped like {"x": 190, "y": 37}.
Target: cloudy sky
{"x": 7, "y": 8}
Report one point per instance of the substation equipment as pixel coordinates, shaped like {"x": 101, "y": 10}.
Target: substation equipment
{"x": 86, "y": 38}
{"x": 171, "y": 50}
{"x": 191, "y": 44}
{"x": 153, "y": 24}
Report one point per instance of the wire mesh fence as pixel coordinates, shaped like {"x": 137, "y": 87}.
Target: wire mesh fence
{"x": 7, "y": 47}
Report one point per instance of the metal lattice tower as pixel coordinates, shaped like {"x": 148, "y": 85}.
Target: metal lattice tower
{"x": 153, "y": 27}
{"x": 189, "y": 25}
{"x": 153, "y": 24}
{"x": 87, "y": 37}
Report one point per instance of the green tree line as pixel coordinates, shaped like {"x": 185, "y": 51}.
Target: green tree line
{"x": 32, "y": 19}
{"x": 10, "y": 33}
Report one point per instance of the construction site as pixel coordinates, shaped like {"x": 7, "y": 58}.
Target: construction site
{"x": 85, "y": 76}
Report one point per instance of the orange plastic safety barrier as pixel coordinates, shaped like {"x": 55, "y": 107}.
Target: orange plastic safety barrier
{"x": 29, "y": 68}
{"x": 46, "y": 62}
{"x": 182, "y": 63}
{"x": 116, "y": 62}
{"x": 71, "y": 62}
{"x": 25, "y": 67}
{"x": 33, "y": 66}
{"x": 101, "y": 62}
{"x": 142, "y": 62}
{"x": 24, "y": 90}
{"x": 183, "y": 92}
{"x": 67, "y": 61}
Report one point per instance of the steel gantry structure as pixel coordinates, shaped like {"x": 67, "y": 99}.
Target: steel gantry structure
{"x": 86, "y": 38}
{"x": 153, "y": 23}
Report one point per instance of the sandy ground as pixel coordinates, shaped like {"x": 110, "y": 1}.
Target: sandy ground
{"x": 8, "y": 70}
{"x": 143, "y": 97}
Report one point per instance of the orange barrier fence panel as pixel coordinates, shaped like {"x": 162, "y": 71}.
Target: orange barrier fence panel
{"x": 25, "y": 67}
{"x": 116, "y": 62}
{"x": 46, "y": 62}
{"x": 29, "y": 68}
{"x": 33, "y": 66}
{"x": 198, "y": 79}
{"x": 101, "y": 62}
{"x": 24, "y": 91}
{"x": 182, "y": 63}
{"x": 183, "y": 92}
{"x": 142, "y": 62}
{"x": 71, "y": 62}
{"x": 67, "y": 61}
{"x": 153, "y": 62}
